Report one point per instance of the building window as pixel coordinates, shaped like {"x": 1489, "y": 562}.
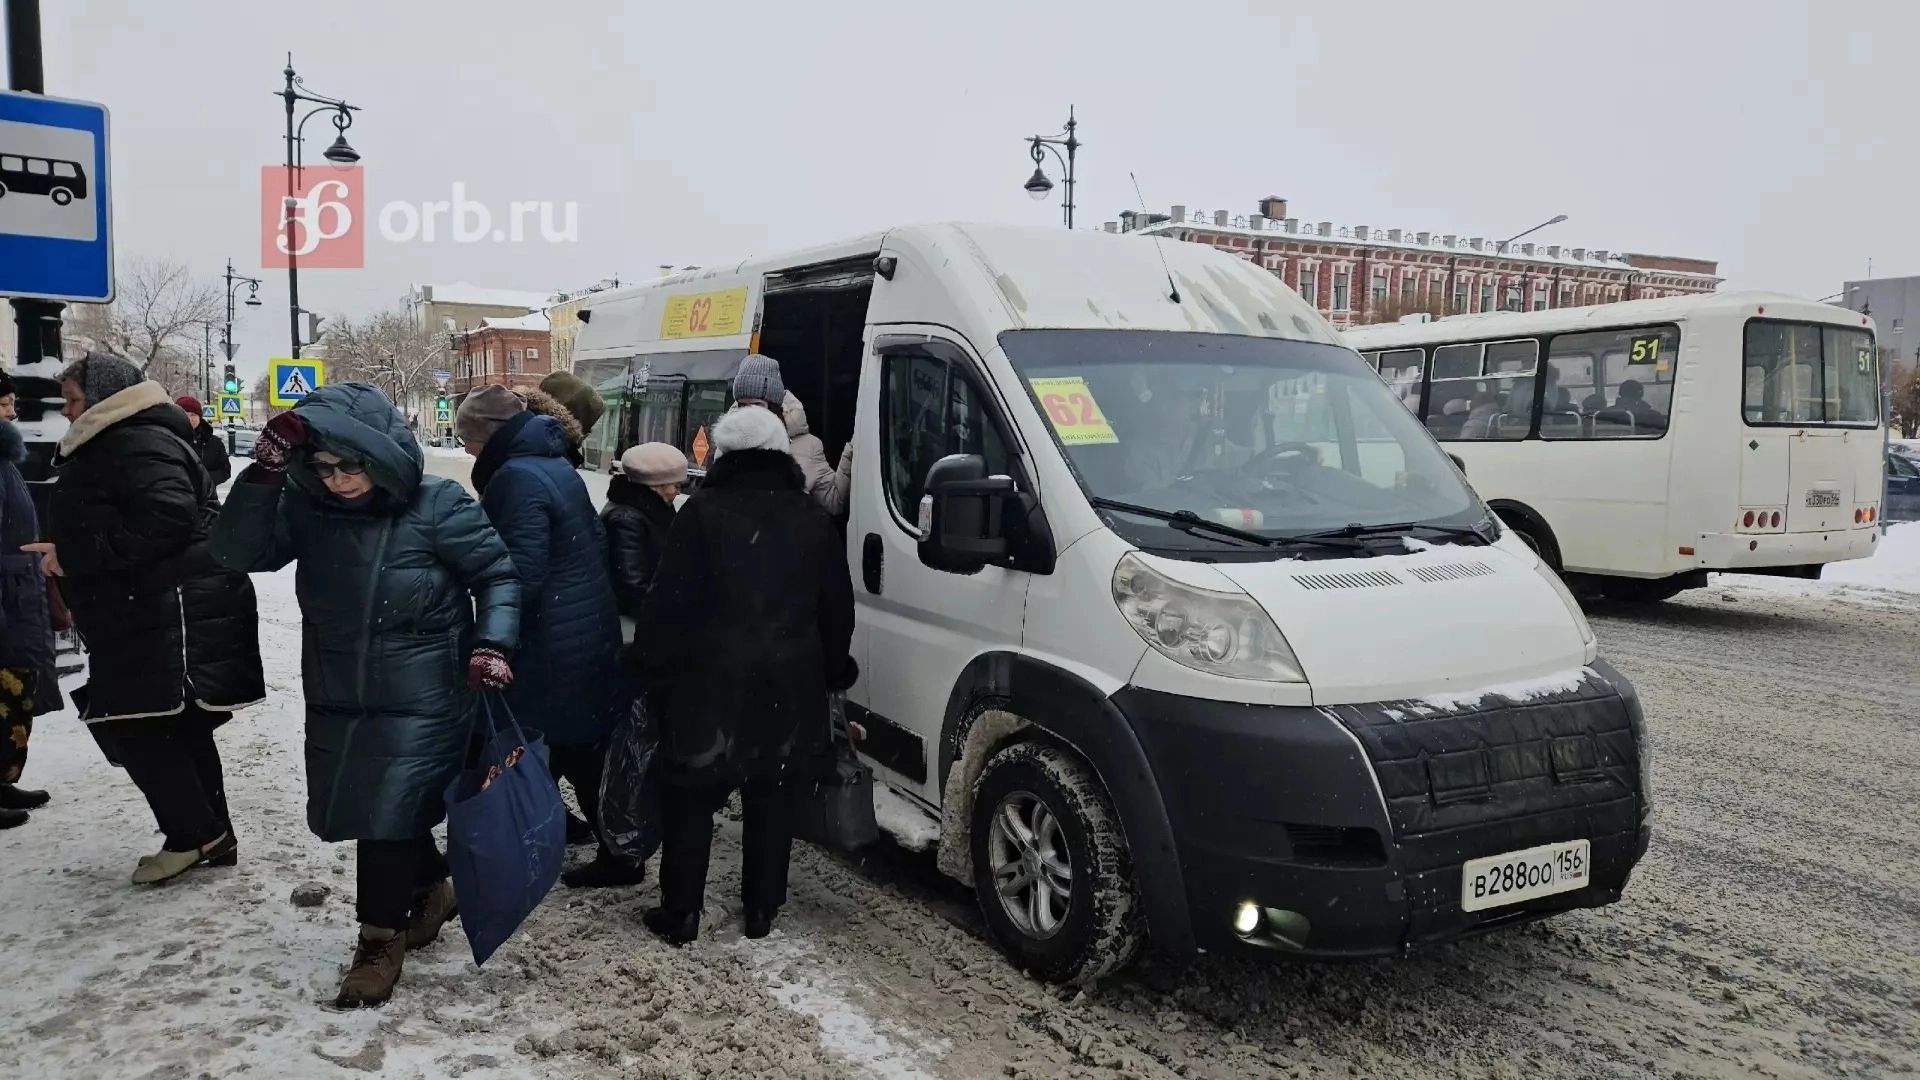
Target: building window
{"x": 1310, "y": 284}
{"x": 1409, "y": 287}
{"x": 1899, "y": 326}
{"x": 1460, "y": 296}
{"x": 1342, "y": 286}
{"x": 1486, "y": 294}
{"x": 1436, "y": 291}
{"x": 513, "y": 361}
{"x": 1379, "y": 288}
{"x": 1566, "y": 296}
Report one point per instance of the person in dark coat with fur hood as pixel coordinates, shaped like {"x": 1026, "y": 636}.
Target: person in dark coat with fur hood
{"x": 29, "y": 685}
{"x": 745, "y": 632}
{"x": 570, "y": 630}
{"x": 172, "y": 636}
{"x": 409, "y": 604}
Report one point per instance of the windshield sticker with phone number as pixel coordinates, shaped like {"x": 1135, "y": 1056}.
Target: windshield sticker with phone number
{"x": 1070, "y": 408}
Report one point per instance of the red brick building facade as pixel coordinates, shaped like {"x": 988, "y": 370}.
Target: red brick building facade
{"x": 1358, "y": 274}
{"x": 510, "y": 352}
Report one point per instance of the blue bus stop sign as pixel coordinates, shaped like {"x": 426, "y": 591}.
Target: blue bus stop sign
{"x": 56, "y": 215}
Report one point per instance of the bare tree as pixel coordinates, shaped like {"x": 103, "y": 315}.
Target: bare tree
{"x": 1906, "y": 400}
{"x": 390, "y": 350}
{"x": 158, "y": 305}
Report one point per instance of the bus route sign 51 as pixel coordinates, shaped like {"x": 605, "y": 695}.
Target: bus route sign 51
{"x": 56, "y": 210}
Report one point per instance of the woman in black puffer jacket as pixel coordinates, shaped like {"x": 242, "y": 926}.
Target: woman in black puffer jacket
{"x": 173, "y": 637}
{"x": 28, "y": 683}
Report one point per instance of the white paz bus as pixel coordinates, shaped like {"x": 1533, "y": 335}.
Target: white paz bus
{"x": 1649, "y": 442}
{"x": 1175, "y": 629}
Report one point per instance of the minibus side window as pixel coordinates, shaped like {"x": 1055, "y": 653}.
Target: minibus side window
{"x": 932, "y": 407}
{"x": 1400, "y": 369}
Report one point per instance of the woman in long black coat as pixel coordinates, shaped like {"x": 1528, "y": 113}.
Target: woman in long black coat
{"x": 745, "y": 632}
{"x": 172, "y": 636}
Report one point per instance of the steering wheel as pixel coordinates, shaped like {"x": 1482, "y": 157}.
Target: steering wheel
{"x": 1286, "y": 457}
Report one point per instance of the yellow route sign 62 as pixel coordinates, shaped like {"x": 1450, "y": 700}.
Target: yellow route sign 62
{"x": 708, "y": 314}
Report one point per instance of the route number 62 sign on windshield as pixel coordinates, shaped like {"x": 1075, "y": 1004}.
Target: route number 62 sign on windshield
{"x": 1070, "y": 408}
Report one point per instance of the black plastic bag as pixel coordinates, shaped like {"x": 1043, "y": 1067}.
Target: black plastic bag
{"x": 832, "y": 801}
{"x": 630, "y": 784}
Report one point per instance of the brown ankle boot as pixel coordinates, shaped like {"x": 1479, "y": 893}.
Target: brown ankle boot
{"x": 376, "y": 967}
{"x": 434, "y": 908}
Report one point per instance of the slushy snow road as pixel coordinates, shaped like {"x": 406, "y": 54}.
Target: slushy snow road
{"x": 1769, "y": 932}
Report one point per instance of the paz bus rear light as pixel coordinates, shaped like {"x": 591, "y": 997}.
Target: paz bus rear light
{"x": 1866, "y": 515}
{"x": 1758, "y": 519}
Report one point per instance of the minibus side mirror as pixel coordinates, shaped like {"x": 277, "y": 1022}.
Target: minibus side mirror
{"x": 962, "y": 515}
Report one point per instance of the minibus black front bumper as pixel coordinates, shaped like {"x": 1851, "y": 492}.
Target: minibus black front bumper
{"x": 1347, "y": 826}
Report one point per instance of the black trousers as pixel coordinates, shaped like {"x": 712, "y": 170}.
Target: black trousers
{"x": 582, "y": 766}
{"x": 389, "y": 876}
{"x": 686, "y": 844}
{"x": 175, "y": 763}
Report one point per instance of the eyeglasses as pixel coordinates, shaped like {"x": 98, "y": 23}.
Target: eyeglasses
{"x": 325, "y": 469}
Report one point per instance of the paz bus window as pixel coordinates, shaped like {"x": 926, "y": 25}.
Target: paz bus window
{"x": 1853, "y": 377}
{"x": 1610, "y": 384}
{"x": 1801, "y": 373}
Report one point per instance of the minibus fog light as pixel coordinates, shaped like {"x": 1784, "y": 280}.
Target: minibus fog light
{"x": 1221, "y": 633}
{"x": 1246, "y": 918}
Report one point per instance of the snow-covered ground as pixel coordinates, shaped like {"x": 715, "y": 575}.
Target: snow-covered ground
{"x": 1892, "y": 572}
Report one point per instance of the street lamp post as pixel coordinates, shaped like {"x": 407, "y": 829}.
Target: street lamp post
{"x": 1501, "y": 248}
{"x": 339, "y": 153}
{"x": 1038, "y": 185}
{"x": 234, "y": 281}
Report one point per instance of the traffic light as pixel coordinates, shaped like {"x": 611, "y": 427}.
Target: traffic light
{"x": 230, "y": 382}
{"x": 442, "y": 403}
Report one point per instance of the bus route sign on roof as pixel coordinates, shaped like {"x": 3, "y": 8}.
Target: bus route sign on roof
{"x": 56, "y": 210}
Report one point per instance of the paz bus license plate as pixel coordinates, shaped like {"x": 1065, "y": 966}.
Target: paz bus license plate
{"x": 1826, "y": 498}
{"x": 1498, "y": 880}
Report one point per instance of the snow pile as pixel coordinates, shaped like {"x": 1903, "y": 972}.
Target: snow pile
{"x": 911, "y": 827}
{"x": 792, "y": 973}
{"x": 1892, "y": 570}
{"x": 1525, "y": 690}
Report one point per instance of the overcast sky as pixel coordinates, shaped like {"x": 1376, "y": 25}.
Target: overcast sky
{"x": 1777, "y": 137}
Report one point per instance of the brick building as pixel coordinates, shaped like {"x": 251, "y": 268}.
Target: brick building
{"x": 511, "y": 352}
{"x": 1358, "y": 273}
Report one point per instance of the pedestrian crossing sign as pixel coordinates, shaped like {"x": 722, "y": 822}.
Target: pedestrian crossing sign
{"x": 443, "y": 416}
{"x": 230, "y": 407}
{"x": 206, "y": 412}
{"x": 290, "y": 380}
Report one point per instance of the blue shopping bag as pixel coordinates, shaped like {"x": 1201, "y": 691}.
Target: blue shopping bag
{"x": 506, "y": 832}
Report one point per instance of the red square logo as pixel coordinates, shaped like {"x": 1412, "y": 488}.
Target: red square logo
{"x": 315, "y": 215}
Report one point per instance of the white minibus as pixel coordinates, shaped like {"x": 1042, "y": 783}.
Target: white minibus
{"x": 1174, "y": 626}
{"x": 1649, "y": 442}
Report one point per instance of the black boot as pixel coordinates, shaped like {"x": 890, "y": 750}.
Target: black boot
{"x": 578, "y": 831}
{"x": 673, "y": 927}
{"x": 12, "y": 819}
{"x": 15, "y": 798}
{"x": 605, "y": 871}
{"x": 759, "y": 923}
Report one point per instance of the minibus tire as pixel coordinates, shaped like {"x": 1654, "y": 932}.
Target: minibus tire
{"x": 1103, "y": 928}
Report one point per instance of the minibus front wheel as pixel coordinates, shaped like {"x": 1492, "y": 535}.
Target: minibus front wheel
{"x": 1051, "y": 866}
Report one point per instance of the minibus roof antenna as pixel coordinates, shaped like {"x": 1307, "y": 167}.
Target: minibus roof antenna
{"x": 1173, "y": 291}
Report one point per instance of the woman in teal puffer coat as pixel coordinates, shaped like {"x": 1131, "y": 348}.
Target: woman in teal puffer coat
{"x": 392, "y": 567}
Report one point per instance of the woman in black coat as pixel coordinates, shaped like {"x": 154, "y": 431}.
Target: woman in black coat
{"x": 172, "y": 637}
{"x": 744, "y": 633}
{"x": 638, "y": 514}
{"x": 28, "y": 683}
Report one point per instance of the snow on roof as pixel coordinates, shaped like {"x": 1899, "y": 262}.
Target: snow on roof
{"x": 1491, "y": 324}
{"x": 462, "y": 292}
{"x": 1410, "y": 240}
{"x": 534, "y": 321}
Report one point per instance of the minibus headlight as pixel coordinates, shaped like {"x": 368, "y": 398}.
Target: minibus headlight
{"x": 1573, "y": 609}
{"x": 1216, "y": 632}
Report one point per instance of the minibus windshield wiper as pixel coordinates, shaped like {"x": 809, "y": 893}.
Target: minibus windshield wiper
{"x": 1193, "y": 524}
{"x": 1358, "y": 532}
{"x": 1185, "y": 521}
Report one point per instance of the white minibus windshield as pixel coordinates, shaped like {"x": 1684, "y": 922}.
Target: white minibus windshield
{"x": 1269, "y": 436}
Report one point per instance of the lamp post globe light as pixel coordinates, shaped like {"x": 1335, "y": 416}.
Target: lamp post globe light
{"x": 340, "y": 152}
{"x": 1039, "y": 185}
